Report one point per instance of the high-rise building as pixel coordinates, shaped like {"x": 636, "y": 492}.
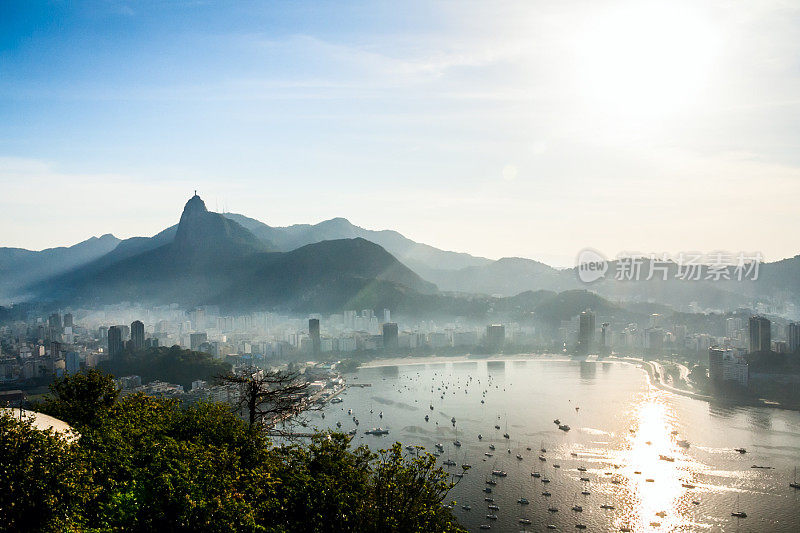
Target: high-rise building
{"x": 760, "y": 334}
{"x": 605, "y": 338}
{"x": 196, "y": 339}
{"x": 387, "y": 316}
{"x": 54, "y": 321}
{"x": 390, "y": 336}
{"x": 313, "y": 332}
{"x": 137, "y": 335}
{"x": 55, "y": 349}
{"x": 495, "y": 336}
{"x": 72, "y": 362}
{"x": 115, "y": 342}
{"x": 68, "y": 323}
{"x": 585, "y": 332}
{"x": 715, "y": 357}
{"x": 725, "y": 366}
{"x": 793, "y": 336}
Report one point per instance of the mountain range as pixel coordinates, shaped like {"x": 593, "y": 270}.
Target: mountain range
{"x": 237, "y": 261}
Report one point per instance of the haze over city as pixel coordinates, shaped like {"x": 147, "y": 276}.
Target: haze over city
{"x": 615, "y": 125}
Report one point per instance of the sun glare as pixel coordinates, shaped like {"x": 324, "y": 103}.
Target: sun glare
{"x": 644, "y": 59}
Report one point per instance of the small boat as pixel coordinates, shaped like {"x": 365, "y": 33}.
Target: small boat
{"x": 551, "y": 526}
{"x": 488, "y": 499}
{"x": 491, "y": 446}
{"x": 667, "y": 458}
{"x": 556, "y": 466}
{"x": 453, "y": 420}
{"x": 338, "y": 424}
{"x": 505, "y": 436}
{"x": 499, "y": 473}
{"x": 491, "y": 482}
{"x": 410, "y": 448}
{"x": 545, "y": 480}
{"x": 564, "y": 427}
{"x": 650, "y": 480}
{"x": 427, "y": 418}
{"x": 450, "y": 462}
{"x": 491, "y": 516}
{"x": 740, "y": 450}
{"x": 480, "y": 436}
{"x": 457, "y": 443}
{"x": 738, "y": 513}
{"x": 519, "y": 457}
{"x": 580, "y": 526}
{"x": 696, "y": 502}
{"x": 794, "y": 484}
{"x": 661, "y": 514}
{"x": 494, "y": 507}
{"x": 584, "y": 479}
{"x": 581, "y": 469}
{"x": 431, "y": 406}
{"x": 487, "y": 490}
{"x": 542, "y": 458}
{"x": 573, "y": 454}
{"x": 524, "y": 521}
{"x": 486, "y": 526}
{"x": 546, "y": 494}
{"x": 466, "y": 507}
{"x": 625, "y": 529}
{"x": 585, "y": 492}
{"x": 552, "y": 509}
{"x": 497, "y": 426}
{"x": 377, "y": 431}
{"x": 536, "y": 474}
{"x": 577, "y": 508}
{"x": 439, "y": 446}
{"x": 683, "y": 443}
{"x": 557, "y": 422}
{"x": 762, "y": 467}
{"x": 487, "y": 454}
{"x": 523, "y": 501}
{"x": 606, "y": 506}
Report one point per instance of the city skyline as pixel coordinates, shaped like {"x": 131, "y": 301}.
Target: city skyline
{"x": 496, "y": 113}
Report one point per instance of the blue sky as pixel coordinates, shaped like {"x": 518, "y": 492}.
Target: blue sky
{"x": 523, "y": 128}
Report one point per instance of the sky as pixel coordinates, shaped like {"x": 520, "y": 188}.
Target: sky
{"x": 503, "y": 128}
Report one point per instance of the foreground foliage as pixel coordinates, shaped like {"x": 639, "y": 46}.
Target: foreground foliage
{"x": 146, "y": 464}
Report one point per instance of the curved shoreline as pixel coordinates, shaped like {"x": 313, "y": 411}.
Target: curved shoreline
{"x": 648, "y": 367}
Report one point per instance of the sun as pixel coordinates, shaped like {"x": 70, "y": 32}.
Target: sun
{"x": 644, "y": 59}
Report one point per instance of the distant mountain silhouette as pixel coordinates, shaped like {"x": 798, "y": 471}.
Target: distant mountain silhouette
{"x": 213, "y": 259}
{"x": 230, "y": 257}
{"x": 20, "y": 268}
{"x": 421, "y": 258}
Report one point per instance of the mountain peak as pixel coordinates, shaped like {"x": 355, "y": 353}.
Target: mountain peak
{"x": 203, "y": 232}
{"x": 195, "y": 205}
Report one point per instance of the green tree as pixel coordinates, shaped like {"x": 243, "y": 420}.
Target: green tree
{"x": 81, "y": 399}
{"x": 43, "y": 479}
